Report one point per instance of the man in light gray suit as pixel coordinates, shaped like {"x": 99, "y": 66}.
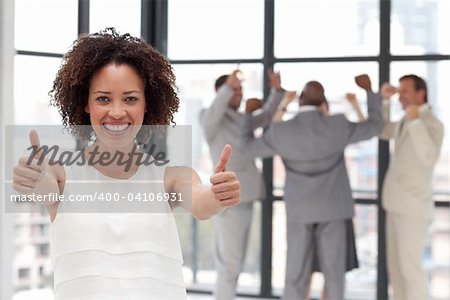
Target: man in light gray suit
{"x": 221, "y": 124}
{"x": 317, "y": 191}
{"x": 407, "y": 186}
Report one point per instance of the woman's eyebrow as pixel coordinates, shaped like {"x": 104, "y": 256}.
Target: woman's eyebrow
{"x": 131, "y": 92}
{"x": 101, "y": 92}
{"x": 124, "y": 93}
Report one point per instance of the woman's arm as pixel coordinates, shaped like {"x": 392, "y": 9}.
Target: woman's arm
{"x": 33, "y": 175}
{"x": 204, "y": 202}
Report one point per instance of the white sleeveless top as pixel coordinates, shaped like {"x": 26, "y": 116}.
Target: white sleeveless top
{"x": 126, "y": 256}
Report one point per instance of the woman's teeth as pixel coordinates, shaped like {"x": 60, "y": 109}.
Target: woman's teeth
{"x": 116, "y": 127}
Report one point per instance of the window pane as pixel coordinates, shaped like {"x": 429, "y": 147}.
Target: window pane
{"x": 33, "y": 79}
{"x": 337, "y": 79}
{"x": 125, "y": 16}
{"x": 436, "y": 75}
{"x": 32, "y": 271}
{"x": 326, "y": 28}
{"x": 420, "y": 27}
{"x": 46, "y": 25}
{"x": 437, "y": 260}
{"x": 361, "y": 282}
{"x": 215, "y": 29}
{"x": 196, "y": 91}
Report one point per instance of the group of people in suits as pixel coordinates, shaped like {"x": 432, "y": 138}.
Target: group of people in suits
{"x": 318, "y": 196}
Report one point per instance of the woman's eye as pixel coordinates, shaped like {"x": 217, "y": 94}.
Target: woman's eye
{"x": 131, "y": 99}
{"x": 102, "y": 99}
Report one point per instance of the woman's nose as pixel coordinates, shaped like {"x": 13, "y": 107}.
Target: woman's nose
{"x": 117, "y": 111}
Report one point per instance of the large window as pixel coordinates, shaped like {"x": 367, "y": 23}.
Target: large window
{"x": 331, "y": 42}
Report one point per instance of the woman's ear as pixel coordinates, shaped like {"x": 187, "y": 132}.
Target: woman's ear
{"x": 86, "y": 108}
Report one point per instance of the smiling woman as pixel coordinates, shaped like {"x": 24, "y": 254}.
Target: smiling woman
{"x": 108, "y": 87}
{"x": 103, "y": 60}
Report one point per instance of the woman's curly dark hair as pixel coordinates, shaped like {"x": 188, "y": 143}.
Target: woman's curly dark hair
{"x": 90, "y": 53}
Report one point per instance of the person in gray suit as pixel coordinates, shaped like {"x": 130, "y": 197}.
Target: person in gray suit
{"x": 317, "y": 192}
{"x": 221, "y": 126}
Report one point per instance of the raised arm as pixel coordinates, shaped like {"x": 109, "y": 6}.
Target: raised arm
{"x": 373, "y": 125}
{"x": 264, "y": 117}
{"x": 211, "y": 117}
{"x": 251, "y": 147}
{"x": 351, "y": 98}
{"x": 287, "y": 99}
{"x": 205, "y": 202}
{"x": 387, "y": 91}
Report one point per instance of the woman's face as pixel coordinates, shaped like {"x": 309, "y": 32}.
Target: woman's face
{"x": 116, "y": 104}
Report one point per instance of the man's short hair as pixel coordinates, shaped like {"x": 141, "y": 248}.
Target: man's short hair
{"x": 220, "y": 81}
{"x": 419, "y": 84}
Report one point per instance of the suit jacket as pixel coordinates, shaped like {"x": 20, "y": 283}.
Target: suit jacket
{"x": 221, "y": 126}
{"x": 312, "y": 147}
{"x": 407, "y": 185}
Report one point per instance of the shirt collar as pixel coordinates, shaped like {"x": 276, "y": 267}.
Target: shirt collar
{"x": 304, "y": 108}
{"x": 424, "y": 107}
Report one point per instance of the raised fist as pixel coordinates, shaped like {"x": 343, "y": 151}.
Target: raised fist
{"x": 363, "y": 81}
{"x": 388, "y": 90}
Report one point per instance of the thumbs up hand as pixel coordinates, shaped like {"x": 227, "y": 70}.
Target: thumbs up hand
{"x": 225, "y": 185}
{"x": 30, "y": 171}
